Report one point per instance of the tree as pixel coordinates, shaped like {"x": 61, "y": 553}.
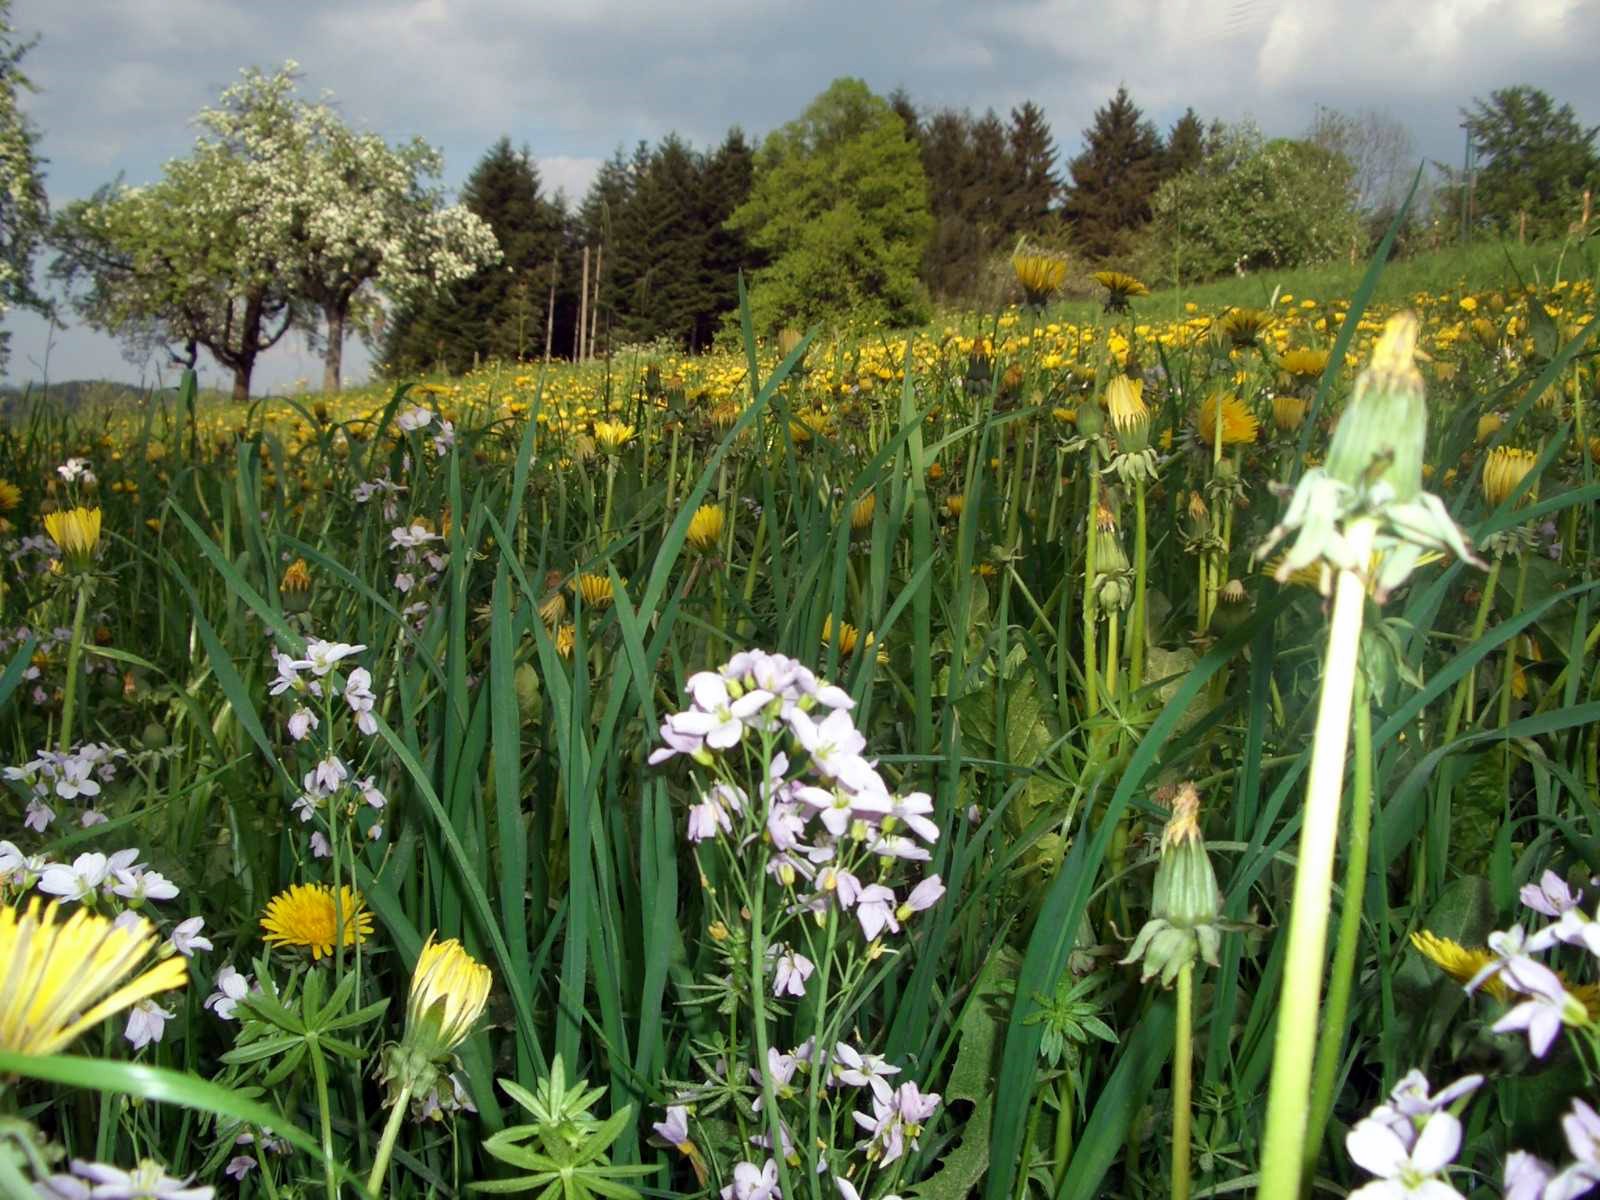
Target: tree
{"x": 1114, "y": 178}
{"x": 184, "y": 259}
{"x": 24, "y": 213}
{"x": 1030, "y": 181}
{"x": 840, "y": 202}
{"x": 1535, "y": 158}
{"x": 728, "y": 175}
{"x": 499, "y": 310}
{"x": 1379, "y": 149}
{"x": 345, "y": 209}
{"x": 1253, "y": 203}
{"x": 1186, "y": 145}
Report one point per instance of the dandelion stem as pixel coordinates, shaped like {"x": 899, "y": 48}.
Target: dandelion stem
{"x": 1182, "y": 1082}
{"x": 1285, "y": 1148}
{"x": 391, "y": 1130}
{"x": 758, "y": 1006}
{"x": 1330, "y": 1046}
{"x": 1091, "y": 682}
{"x": 1136, "y": 630}
{"x": 69, "y": 694}
{"x": 319, "y": 1069}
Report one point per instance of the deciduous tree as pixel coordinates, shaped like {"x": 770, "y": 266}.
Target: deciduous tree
{"x": 23, "y": 210}
{"x": 1535, "y": 158}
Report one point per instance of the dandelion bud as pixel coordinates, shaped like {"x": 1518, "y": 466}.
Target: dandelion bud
{"x": 1506, "y": 468}
{"x": 448, "y": 991}
{"x": 295, "y": 587}
{"x": 1382, "y": 433}
{"x": 1489, "y": 424}
{"x": 1185, "y": 902}
{"x": 705, "y": 528}
{"x": 1232, "y": 610}
{"x": 1091, "y": 421}
{"x": 77, "y": 532}
{"x": 525, "y": 682}
{"x": 861, "y": 514}
{"x": 1288, "y": 412}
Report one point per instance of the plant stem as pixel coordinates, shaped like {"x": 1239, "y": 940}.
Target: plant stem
{"x": 1511, "y": 672}
{"x": 1330, "y": 1046}
{"x": 1288, "y": 1101}
{"x": 1137, "y": 631}
{"x": 391, "y": 1130}
{"x": 1182, "y": 1082}
{"x": 1090, "y": 636}
{"x": 320, "y": 1071}
{"x": 758, "y": 1005}
{"x": 69, "y": 694}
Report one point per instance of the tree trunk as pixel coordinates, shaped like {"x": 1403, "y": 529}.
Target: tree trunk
{"x": 333, "y": 356}
{"x": 241, "y": 383}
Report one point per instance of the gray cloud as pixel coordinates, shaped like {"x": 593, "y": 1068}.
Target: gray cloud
{"x": 120, "y": 81}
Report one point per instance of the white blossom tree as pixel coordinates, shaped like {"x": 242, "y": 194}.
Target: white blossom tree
{"x": 343, "y": 210}
{"x": 23, "y": 211}
{"x": 185, "y": 261}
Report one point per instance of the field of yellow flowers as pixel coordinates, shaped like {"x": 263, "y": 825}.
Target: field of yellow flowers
{"x": 1029, "y": 755}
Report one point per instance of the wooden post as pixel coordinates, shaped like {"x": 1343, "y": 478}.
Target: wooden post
{"x": 594, "y": 303}
{"x": 1588, "y": 206}
{"x": 583, "y": 310}
{"x": 550, "y": 312}
{"x": 1522, "y": 227}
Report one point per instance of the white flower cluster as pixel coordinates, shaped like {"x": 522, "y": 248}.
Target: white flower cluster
{"x": 312, "y": 676}
{"x": 76, "y": 776}
{"x": 421, "y": 563}
{"x": 1546, "y": 1005}
{"x": 827, "y": 817}
{"x": 382, "y": 486}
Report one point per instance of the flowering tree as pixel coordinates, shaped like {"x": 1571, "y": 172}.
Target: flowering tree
{"x": 22, "y": 199}
{"x": 340, "y": 209}
{"x": 182, "y": 262}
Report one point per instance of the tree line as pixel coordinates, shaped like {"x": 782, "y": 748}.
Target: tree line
{"x": 865, "y": 208}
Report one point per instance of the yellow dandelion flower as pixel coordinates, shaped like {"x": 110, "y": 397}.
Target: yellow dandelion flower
{"x": 1507, "y": 467}
{"x": 1125, "y": 400}
{"x": 705, "y": 528}
{"x": 10, "y": 496}
{"x": 1244, "y": 326}
{"x": 448, "y": 991}
{"x": 954, "y": 505}
{"x": 566, "y": 638}
{"x": 59, "y": 980}
{"x": 554, "y": 605}
{"x": 305, "y": 917}
{"x": 1120, "y": 288}
{"x": 76, "y": 531}
{"x": 1239, "y": 424}
{"x": 595, "y": 590}
{"x": 861, "y": 513}
{"x": 1489, "y": 424}
{"x": 1457, "y": 961}
{"x": 1288, "y": 412}
{"x": 848, "y": 638}
{"x": 295, "y": 586}
{"x": 1304, "y": 364}
{"x": 612, "y": 436}
{"x": 1040, "y": 273}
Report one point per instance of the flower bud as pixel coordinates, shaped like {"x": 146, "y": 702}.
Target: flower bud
{"x": 1383, "y": 431}
{"x": 1185, "y": 902}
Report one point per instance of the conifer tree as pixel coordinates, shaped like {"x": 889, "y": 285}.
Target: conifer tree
{"x": 1186, "y": 145}
{"x": 1114, "y": 178}
{"x": 1030, "y": 181}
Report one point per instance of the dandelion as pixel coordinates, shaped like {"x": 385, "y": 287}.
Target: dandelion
{"x": 1507, "y": 467}
{"x": 304, "y": 916}
{"x": 1288, "y": 412}
{"x": 1239, "y": 424}
{"x": 1304, "y": 365}
{"x": 595, "y": 590}
{"x": 1125, "y": 401}
{"x": 1040, "y": 273}
{"x": 861, "y": 514}
{"x": 10, "y": 496}
{"x": 1120, "y": 288}
{"x": 1243, "y": 327}
{"x": 612, "y": 436}
{"x": 77, "y": 532}
{"x": 62, "y": 979}
{"x": 295, "y": 587}
{"x": 1459, "y": 962}
{"x": 705, "y": 528}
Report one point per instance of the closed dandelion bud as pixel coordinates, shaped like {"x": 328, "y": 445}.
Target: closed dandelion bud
{"x": 1186, "y": 903}
{"x": 1091, "y": 421}
{"x": 448, "y": 991}
{"x": 861, "y": 514}
{"x": 1382, "y": 433}
{"x": 1198, "y": 516}
{"x": 1489, "y": 424}
{"x": 1232, "y": 610}
{"x": 295, "y": 587}
{"x": 1288, "y": 412}
{"x": 1506, "y": 468}
{"x": 155, "y": 736}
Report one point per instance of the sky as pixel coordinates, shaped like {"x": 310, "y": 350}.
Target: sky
{"x": 119, "y": 82}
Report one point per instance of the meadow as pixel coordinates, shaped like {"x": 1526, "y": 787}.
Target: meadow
{"x": 1083, "y": 748}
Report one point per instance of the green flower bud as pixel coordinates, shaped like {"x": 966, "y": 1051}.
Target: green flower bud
{"x": 1186, "y": 902}
{"x": 1383, "y": 432}
{"x": 1091, "y": 421}
{"x": 530, "y": 702}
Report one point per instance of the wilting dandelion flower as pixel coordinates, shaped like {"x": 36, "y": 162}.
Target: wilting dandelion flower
{"x": 304, "y": 916}
{"x": 705, "y": 528}
{"x": 1243, "y": 327}
{"x": 295, "y": 586}
{"x": 58, "y": 980}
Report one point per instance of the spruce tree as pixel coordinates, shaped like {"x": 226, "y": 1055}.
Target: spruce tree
{"x": 495, "y": 312}
{"x": 1186, "y": 145}
{"x": 727, "y": 176}
{"x": 1031, "y": 181}
{"x": 1114, "y": 178}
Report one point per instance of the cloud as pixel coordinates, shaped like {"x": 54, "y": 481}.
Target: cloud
{"x": 574, "y": 82}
